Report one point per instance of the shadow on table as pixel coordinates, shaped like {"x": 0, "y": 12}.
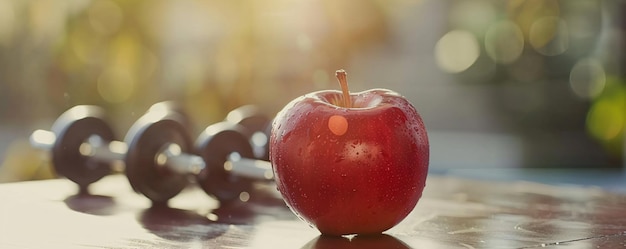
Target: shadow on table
{"x": 179, "y": 225}
{"x": 91, "y": 204}
{"x": 361, "y": 242}
{"x": 263, "y": 204}
{"x": 161, "y": 220}
{"x": 187, "y": 225}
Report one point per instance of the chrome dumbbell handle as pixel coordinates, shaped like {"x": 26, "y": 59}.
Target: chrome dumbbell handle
{"x": 94, "y": 147}
{"x": 42, "y": 139}
{"x": 249, "y": 168}
{"x": 171, "y": 156}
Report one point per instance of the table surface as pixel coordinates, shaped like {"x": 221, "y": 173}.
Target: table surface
{"x": 453, "y": 213}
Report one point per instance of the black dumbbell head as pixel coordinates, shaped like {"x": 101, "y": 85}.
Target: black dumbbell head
{"x": 266, "y": 149}
{"x": 214, "y": 145}
{"x": 73, "y": 128}
{"x": 250, "y": 117}
{"x": 255, "y": 122}
{"x": 146, "y": 139}
{"x": 172, "y": 106}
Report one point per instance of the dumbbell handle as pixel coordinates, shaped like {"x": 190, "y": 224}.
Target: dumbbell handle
{"x": 249, "y": 168}
{"x": 169, "y": 156}
{"x": 42, "y": 139}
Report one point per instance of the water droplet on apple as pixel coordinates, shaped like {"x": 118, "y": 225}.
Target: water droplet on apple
{"x": 353, "y": 190}
{"x": 344, "y": 175}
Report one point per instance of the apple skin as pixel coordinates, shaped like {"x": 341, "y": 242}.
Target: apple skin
{"x": 363, "y": 181}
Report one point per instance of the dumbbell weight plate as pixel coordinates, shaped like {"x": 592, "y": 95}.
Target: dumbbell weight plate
{"x": 215, "y": 144}
{"x": 72, "y": 129}
{"x": 172, "y": 106}
{"x": 146, "y": 138}
{"x": 268, "y": 131}
{"x": 254, "y": 121}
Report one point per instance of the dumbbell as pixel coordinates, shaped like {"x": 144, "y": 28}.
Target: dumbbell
{"x": 231, "y": 168}
{"x": 155, "y": 155}
{"x": 258, "y": 127}
{"x": 66, "y": 140}
{"x": 228, "y": 152}
{"x": 159, "y": 159}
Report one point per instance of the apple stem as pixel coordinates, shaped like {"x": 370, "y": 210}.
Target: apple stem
{"x": 343, "y": 81}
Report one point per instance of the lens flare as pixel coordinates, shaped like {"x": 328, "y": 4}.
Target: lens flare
{"x": 504, "y": 42}
{"x": 456, "y": 51}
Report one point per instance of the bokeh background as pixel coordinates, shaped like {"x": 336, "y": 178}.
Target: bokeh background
{"x": 520, "y": 84}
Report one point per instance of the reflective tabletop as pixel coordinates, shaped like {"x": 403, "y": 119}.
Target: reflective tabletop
{"x": 454, "y": 212}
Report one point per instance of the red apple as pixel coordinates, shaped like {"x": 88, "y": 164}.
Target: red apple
{"x": 350, "y": 163}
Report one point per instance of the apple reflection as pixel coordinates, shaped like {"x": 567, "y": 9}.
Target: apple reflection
{"x": 360, "y": 242}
